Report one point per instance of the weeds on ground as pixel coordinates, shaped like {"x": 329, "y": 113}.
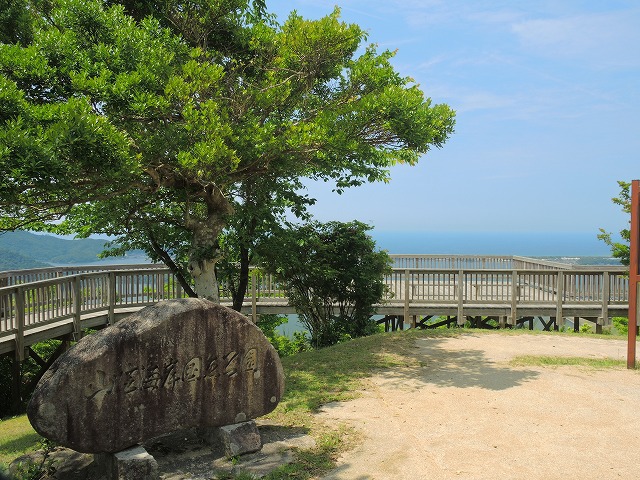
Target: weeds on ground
{"x": 556, "y": 361}
{"x": 35, "y": 470}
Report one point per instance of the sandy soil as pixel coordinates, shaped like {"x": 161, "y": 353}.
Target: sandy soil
{"x": 463, "y": 412}
{"x": 459, "y": 411}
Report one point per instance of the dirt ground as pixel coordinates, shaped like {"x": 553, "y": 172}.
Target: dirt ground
{"x": 465, "y": 413}
{"x": 460, "y": 411}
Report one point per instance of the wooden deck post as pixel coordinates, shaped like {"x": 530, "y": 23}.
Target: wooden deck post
{"x": 407, "y": 291}
{"x": 634, "y": 273}
{"x": 461, "y": 298}
{"x": 112, "y": 298}
{"x": 605, "y": 298}
{"x": 560, "y": 298}
{"x": 20, "y": 313}
{"x": 77, "y": 307}
{"x": 514, "y": 298}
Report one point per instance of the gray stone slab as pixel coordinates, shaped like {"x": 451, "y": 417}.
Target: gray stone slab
{"x": 240, "y": 438}
{"x": 134, "y": 463}
{"x": 176, "y": 365}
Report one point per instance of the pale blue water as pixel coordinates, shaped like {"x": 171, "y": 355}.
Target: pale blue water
{"x": 574, "y": 244}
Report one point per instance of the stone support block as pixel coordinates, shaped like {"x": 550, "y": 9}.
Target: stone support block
{"x": 240, "y": 438}
{"x": 134, "y": 463}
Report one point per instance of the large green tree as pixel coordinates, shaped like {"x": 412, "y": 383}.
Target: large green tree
{"x": 149, "y": 120}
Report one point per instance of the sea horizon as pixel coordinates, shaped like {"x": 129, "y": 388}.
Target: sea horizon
{"x": 532, "y": 244}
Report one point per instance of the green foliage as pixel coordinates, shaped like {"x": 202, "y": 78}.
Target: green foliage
{"x": 621, "y": 324}
{"x": 261, "y": 207}
{"x": 333, "y": 276}
{"x": 17, "y": 22}
{"x": 284, "y": 345}
{"x": 145, "y": 121}
{"x": 620, "y": 250}
{"x": 29, "y": 369}
{"x": 586, "y": 328}
{"x": 35, "y": 470}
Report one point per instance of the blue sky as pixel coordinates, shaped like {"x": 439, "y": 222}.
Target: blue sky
{"x": 547, "y": 95}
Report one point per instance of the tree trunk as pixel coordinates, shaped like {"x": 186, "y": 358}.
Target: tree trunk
{"x": 168, "y": 261}
{"x": 202, "y": 260}
{"x": 205, "y": 250}
{"x": 243, "y": 280}
{"x": 204, "y": 279}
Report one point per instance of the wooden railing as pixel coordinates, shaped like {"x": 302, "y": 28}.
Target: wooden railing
{"x": 452, "y": 261}
{"x": 488, "y": 286}
{"x": 16, "y": 277}
{"x": 425, "y": 283}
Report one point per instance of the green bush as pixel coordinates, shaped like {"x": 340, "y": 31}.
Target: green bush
{"x": 621, "y": 324}
{"x": 586, "y": 328}
{"x": 29, "y": 369}
{"x": 333, "y": 276}
{"x": 284, "y": 345}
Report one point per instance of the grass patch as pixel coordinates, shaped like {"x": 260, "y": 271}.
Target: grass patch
{"x": 333, "y": 374}
{"x": 554, "y": 361}
{"x": 17, "y": 437}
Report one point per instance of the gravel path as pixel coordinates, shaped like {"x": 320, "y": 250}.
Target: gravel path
{"x": 464, "y": 413}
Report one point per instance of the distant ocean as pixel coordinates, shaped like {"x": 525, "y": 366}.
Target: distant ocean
{"x": 534, "y": 244}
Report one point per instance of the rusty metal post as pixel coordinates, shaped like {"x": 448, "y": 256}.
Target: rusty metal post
{"x": 634, "y": 273}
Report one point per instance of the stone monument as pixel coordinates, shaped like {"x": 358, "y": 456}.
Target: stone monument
{"x": 172, "y": 366}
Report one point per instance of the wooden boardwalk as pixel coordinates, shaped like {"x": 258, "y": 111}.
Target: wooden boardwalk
{"x": 42, "y": 304}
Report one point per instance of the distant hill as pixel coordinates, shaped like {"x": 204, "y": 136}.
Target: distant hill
{"x": 28, "y": 250}
{"x": 10, "y": 260}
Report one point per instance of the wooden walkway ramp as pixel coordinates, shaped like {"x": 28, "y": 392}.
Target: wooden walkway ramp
{"x": 423, "y": 290}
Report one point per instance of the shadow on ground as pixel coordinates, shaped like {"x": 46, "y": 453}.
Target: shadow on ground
{"x": 436, "y": 365}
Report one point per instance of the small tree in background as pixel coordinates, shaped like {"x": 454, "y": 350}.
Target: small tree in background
{"x": 333, "y": 276}
{"x": 620, "y": 250}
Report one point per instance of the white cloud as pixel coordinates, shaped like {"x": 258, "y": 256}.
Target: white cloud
{"x": 609, "y": 39}
{"x": 467, "y": 101}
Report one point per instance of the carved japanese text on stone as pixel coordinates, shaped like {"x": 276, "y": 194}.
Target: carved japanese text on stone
{"x": 175, "y": 365}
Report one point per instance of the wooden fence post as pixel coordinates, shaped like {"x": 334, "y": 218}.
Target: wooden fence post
{"x": 460, "y": 298}
{"x": 605, "y": 298}
{"x": 514, "y": 297}
{"x": 20, "y": 314}
{"x": 559, "y": 298}
{"x": 407, "y": 290}
{"x": 77, "y": 302}
{"x": 112, "y": 298}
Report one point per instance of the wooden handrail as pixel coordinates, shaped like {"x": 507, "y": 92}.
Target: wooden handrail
{"x": 36, "y": 304}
